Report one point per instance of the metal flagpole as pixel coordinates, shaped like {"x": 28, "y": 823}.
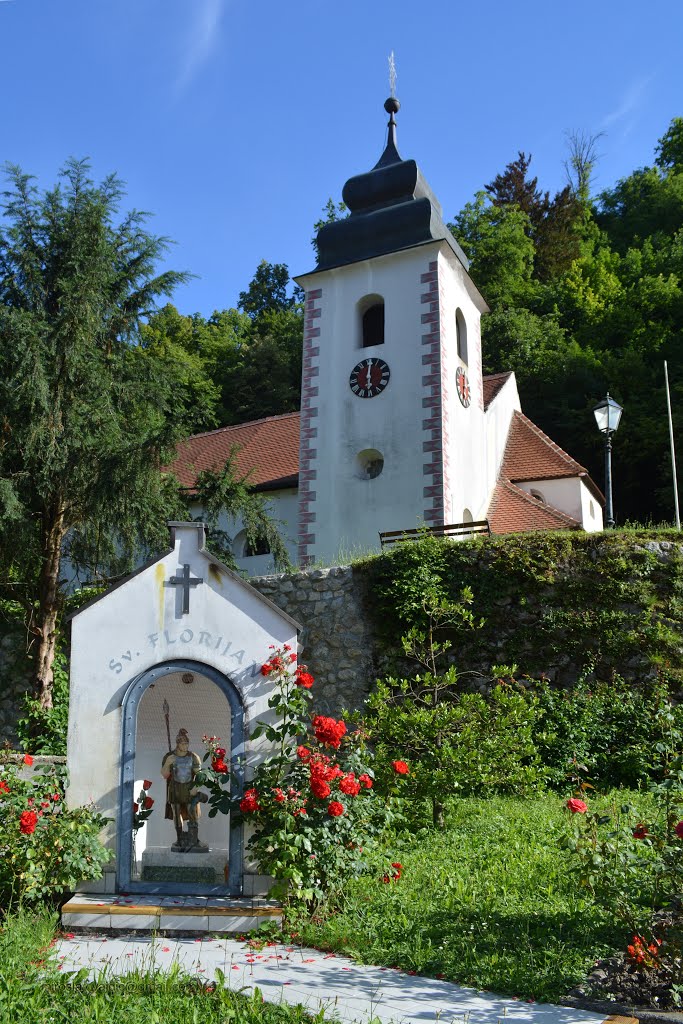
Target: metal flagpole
{"x": 673, "y": 452}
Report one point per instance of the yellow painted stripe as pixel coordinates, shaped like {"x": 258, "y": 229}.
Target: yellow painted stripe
{"x": 88, "y": 908}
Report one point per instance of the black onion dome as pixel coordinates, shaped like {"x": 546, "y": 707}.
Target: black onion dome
{"x": 391, "y": 208}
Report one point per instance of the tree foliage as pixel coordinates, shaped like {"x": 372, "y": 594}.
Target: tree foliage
{"x": 92, "y": 402}
{"x": 587, "y": 296}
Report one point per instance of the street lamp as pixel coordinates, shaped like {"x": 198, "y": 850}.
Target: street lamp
{"x": 607, "y": 416}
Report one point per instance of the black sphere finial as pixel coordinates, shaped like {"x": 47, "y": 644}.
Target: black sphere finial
{"x": 392, "y": 106}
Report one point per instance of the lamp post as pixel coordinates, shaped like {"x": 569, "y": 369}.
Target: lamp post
{"x": 607, "y": 416}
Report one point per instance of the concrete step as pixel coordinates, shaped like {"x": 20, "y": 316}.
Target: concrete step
{"x": 171, "y": 915}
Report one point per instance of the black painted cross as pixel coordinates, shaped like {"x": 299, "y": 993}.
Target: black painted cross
{"x": 185, "y": 582}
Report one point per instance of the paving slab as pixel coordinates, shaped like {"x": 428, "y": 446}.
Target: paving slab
{"x": 345, "y": 990}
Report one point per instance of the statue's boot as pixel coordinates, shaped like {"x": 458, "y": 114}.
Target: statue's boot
{"x": 183, "y": 841}
{"x": 195, "y": 846}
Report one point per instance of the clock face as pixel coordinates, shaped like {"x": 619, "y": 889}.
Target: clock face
{"x": 369, "y": 377}
{"x": 462, "y": 386}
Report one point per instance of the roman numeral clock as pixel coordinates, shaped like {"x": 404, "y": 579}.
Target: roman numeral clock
{"x": 369, "y": 377}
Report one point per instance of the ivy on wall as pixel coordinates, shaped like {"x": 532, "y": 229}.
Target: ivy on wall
{"x": 564, "y": 605}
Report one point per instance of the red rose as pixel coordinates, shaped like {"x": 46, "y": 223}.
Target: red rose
{"x": 219, "y": 765}
{"x": 29, "y": 761}
{"x": 266, "y": 669}
{"x": 350, "y": 785}
{"x": 303, "y": 753}
{"x": 219, "y": 752}
{"x": 55, "y": 797}
{"x": 279, "y": 795}
{"x": 319, "y": 788}
{"x": 577, "y": 806}
{"x": 148, "y": 803}
{"x": 303, "y": 678}
{"x": 136, "y": 808}
{"x": 249, "y": 802}
{"x": 328, "y": 731}
{"x": 365, "y": 780}
{"x": 335, "y": 809}
{"x": 400, "y": 767}
{"x": 146, "y": 784}
{"x": 28, "y": 822}
{"x": 4, "y": 788}
{"x": 397, "y": 872}
{"x": 640, "y": 832}
{"x": 679, "y": 830}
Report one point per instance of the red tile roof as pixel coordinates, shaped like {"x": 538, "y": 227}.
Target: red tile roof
{"x": 512, "y": 510}
{"x": 267, "y": 449}
{"x": 532, "y": 455}
{"x": 492, "y": 385}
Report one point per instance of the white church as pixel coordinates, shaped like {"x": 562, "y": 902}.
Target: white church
{"x": 398, "y": 426}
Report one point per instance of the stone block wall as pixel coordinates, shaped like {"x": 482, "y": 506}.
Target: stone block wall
{"x": 337, "y": 642}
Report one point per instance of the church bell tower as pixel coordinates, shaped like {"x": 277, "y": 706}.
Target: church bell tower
{"x": 392, "y": 412}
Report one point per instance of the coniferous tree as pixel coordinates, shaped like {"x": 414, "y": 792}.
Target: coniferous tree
{"x": 88, "y": 414}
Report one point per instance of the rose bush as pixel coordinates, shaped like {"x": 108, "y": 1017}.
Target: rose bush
{"x": 45, "y": 847}
{"x": 312, "y": 812}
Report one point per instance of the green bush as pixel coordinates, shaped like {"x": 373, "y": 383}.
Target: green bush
{"x": 456, "y": 744}
{"x": 604, "y": 732}
{"x": 43, "y": 730}
{"x": 45, "y": 847}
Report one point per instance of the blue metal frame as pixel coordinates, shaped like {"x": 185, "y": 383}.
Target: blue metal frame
{"x": 131, "y": 702}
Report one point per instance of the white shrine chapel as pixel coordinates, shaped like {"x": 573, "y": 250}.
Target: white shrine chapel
{"x": 398, "y": 426}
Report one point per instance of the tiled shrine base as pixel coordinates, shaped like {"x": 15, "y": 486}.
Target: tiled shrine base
{"x": 171, "y": 915}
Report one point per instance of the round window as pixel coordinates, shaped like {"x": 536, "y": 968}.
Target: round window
{"x": 369, "y": 464}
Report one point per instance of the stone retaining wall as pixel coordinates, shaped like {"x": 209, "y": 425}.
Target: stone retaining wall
{"x": 336, "y": 642}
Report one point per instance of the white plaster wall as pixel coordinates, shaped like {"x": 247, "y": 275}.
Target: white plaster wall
{"x": 283, "y": 509}
{"x": 350, "y": 512}
{"x": 498, "y": 419}
{"x": 569, "y": 495}
{"x": 139, "y": 625}
{"x": 591, "y": 511}
{"x": 466, "y": 427}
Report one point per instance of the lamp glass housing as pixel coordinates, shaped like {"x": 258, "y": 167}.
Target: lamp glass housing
{"x": 607, "y": 415}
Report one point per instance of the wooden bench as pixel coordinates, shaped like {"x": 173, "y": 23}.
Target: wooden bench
{"x": 452, "y": 530}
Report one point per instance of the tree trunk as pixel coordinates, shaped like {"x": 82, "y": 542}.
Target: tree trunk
{"x": 438, "y": 814}
{"x": 48, "y": 605}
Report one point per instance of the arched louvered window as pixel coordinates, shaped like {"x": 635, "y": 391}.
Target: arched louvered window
{"x": 461, "y": 336}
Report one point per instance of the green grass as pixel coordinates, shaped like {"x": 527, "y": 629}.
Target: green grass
{"x": 33, "y": 992}
{"x": 488, "y": 903}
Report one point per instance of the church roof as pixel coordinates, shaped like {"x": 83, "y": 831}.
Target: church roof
{"x": 391, "y": 207}
{"x": 492, "y": 385}
{"x": 532, "y": 455}
{"x": 267, "y": 450}
{"x": 512, "y": 510}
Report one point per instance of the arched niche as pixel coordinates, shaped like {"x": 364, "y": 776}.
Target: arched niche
{"x": 461, "y": 336}
{"x": 370, "y": 313}
{"x": 201, "y": 700}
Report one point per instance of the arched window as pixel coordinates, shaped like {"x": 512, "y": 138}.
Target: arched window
{"x": 467, "y": 516}
{"x": 244, "y": 548}
{"x": 537, "y": 495}
{"x": 371, "y": 310}
{"x": 461, "y": 336}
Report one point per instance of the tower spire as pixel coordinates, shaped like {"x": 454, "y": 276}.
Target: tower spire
{"x": 392, "y": 106}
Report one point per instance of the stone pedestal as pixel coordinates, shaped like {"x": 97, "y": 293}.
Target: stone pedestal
{"x": 160, "y": 864}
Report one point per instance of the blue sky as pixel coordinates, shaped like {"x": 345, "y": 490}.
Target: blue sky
{"x": 233, "y": 121}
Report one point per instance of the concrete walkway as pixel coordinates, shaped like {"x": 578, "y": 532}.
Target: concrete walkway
{"x": 343, "y": 989}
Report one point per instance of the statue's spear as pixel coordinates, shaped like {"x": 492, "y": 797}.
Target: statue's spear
{"x": 167, "y": 712}
{"x": 169, "y": 810}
